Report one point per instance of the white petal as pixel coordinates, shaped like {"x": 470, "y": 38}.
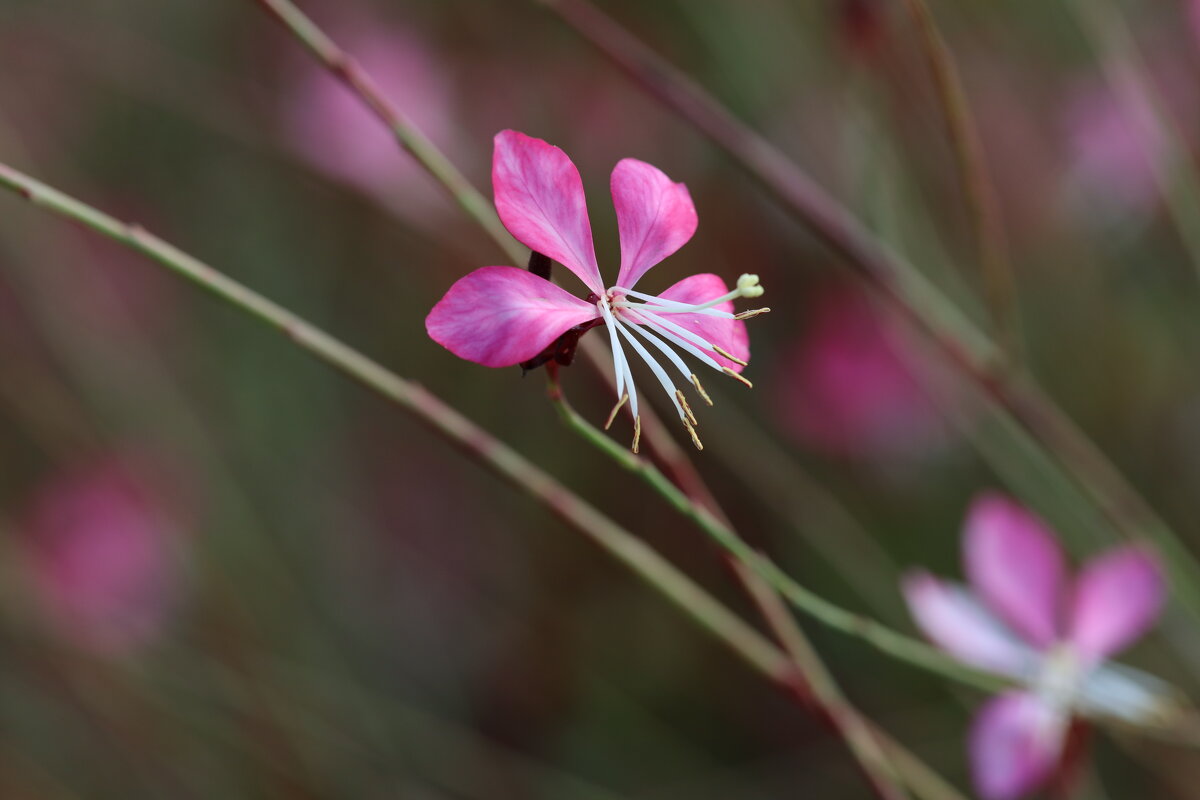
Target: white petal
{"x": 958, "y": 623}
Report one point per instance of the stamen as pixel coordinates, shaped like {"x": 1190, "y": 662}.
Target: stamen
{"x": 655, "y": 367}
{"x": 620, "y": 363}
{"x": 751, "y": 314}
{"x": 686, "y": 408}
{"x": 618, "y": 354}
{"x": 737, "y": 377}
{"x": 637, "y": 434}
{"x": 700, "y": 389}
{"x": 672, "y": 307}
{"x": 731, "y": 357}
{"x": 678, "y": 341}
{"x": 613, "y": 414}
{"x": 692, "y": 432}
{"x": 633, "y": 397}
{"x": 677, "y": 329}
{"x": 662, "y": 348}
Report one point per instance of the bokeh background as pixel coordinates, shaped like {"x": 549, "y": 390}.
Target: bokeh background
{"x": 229, "y": 572}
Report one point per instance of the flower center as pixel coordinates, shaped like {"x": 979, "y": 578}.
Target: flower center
{"x": 1060, "y": 678}
{"x": 627, "y": 312}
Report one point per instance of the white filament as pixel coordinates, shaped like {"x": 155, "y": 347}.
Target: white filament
{"x": 655, "y": 367}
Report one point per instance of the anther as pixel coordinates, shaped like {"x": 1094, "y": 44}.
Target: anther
{"x": 613, "y": 414}
{"x": 737, "y": 377}
{"x": 686, "y": 408}
{"x": 700, "y": 389}
{"x": 752, "y": 313}
{"x": 730, "y": 356}
{"x": 637, "y": 433}
{"x": 692, "y": 432}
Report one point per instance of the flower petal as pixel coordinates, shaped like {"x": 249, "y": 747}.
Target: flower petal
{"x": 1014, "y": 563}
{"x": 1118, "y": 596}
{"x": 728, "y": 334}
{"x": 1115, "y": 690}
{"x": 954, "y": 620}
{"x": 539, "y": 196}
{"x": 500, "y": 316}
{"x": 655, "y": 217}
{"x": 1014, "y": 744}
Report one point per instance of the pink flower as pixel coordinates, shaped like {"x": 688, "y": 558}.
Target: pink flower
{"x": 1023, "y": 617}
{"x": 850, "y": 389}
{"x": 99, "y": 558}
{"x": 500, "y": 316}
{"x": 1112, "y": 152}
{"x": 333, "y": 130}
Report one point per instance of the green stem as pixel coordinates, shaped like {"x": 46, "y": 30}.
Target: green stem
{"x": 977, "y": 187}
{"x": 822, "y": 690}
{"x": 816, "y": 684}
{"x": 881, "y": 637}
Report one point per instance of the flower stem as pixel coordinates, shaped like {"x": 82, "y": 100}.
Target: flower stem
{"x": 977, "y": 187}
{"x": 881, "y": 637}
{"x": 969, "y": 350}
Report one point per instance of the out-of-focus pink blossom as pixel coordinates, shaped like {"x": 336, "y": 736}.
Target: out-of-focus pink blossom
{"x": 334, "y": 130}
{"x": 1112, "y": 147}
{"x": 100, "y": 547}
{"x": 848, "y": 386}
{"x": 500, "y": 316}
{"x": 1023, "y": 617}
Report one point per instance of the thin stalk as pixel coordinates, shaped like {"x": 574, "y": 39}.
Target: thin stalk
{"x": 815, "y": 684}
{"x": 977, "y": 187}
{"x": 885, "y": 639}
{"x": 968, "y": 349}
{"x": 822, "y": 690}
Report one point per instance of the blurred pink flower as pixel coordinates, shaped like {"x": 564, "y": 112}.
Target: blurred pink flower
{"x": 500, "y": 316}
{"x": 99, "y": 548}
{"x": 334, "y": 130}
{"x": 1024, "y": 617}
{"x": 1111, "y": 152}
{"x": 849, "y": 388}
